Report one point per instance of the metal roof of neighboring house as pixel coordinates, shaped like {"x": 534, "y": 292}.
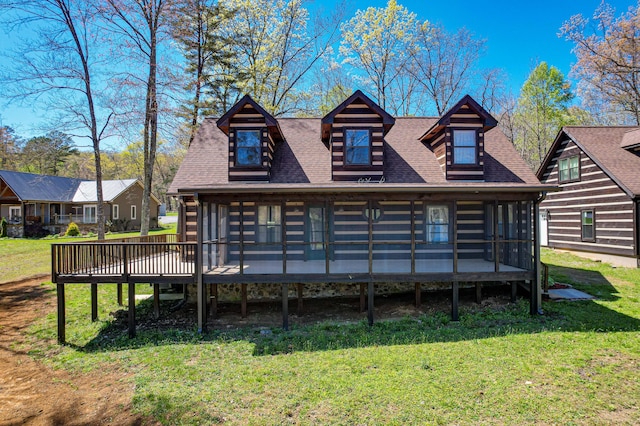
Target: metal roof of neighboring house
{"x": 303, "y": 161}
{"x": 88, "y": 192}
{"x": 32, "y": 187}
{"x": 605, "y": 145}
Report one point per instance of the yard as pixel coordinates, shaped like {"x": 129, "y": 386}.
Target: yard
{"x": 577, "y": 364}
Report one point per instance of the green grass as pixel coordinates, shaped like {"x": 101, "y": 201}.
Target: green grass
{"x": 24, "y": 257}
{"x": 577, "y": 364}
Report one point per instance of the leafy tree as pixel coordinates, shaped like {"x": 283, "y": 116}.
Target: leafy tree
{"x": 60, "y": 66}
{"x": 9, "y": 148}
{"x": 608, "y": 67}
{"x": 47, "y": 154}
{"x": 542, "y": 109}
{"x": 379, "y": 42}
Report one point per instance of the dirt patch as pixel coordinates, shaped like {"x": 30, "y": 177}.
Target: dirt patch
{"x": 34, "y": 394}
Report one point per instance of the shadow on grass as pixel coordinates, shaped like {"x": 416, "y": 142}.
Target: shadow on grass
{"x": 431, "y": 324}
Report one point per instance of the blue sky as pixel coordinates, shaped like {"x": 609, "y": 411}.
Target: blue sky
{"x": 517, "y": 34}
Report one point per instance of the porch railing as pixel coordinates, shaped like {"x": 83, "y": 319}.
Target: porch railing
{"x": 65, "y": 219}
{"x": 160, "y": 255}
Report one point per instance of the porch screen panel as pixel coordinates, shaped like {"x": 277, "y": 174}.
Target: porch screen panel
{"x": 392, "y": 238}
{"x": 471, "y": 228}
{"x": 295, "y": 224}
{"x": 434, "y": 247}
{"x": 263, "y": 255}
{"x": 350, "y": 248}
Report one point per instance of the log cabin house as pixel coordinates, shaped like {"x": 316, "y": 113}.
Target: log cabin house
{"x": 596, "y": 213}
{"x": 357, "y": 197}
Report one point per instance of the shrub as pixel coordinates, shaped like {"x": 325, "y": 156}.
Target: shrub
{"x": 3, "y": 227}
{"x": 72, "y": 230}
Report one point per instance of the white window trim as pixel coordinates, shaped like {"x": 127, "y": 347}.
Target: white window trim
{"x": 19, "y": 215}
{"x": 84, "y": 213}
{"x": 115, "y": 212}
{"x": 134, "y": 211}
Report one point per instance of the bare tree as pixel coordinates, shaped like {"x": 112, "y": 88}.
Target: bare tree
{"x": 140, "y": 23}
{"x": 59, "y": 67}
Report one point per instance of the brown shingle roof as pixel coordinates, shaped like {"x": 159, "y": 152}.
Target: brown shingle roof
{"x": 303, "y": 160}
{"x": 603, "y": 145}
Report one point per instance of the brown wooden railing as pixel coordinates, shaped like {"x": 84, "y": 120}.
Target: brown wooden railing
{"x": 138, "y": 256}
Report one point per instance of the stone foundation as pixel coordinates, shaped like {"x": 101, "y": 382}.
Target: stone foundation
{"x": 15, "y": 231}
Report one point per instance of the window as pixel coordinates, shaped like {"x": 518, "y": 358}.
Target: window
{"x": 248, "y": 148}
{"x": 357, "y": 147}
{"x": 115, "y": 212}
{"x": 588, "y": 225}
{"x": 133, "y": 212}
{"x": 375, "y": 212}
{"x": 569, "y": 169}
{"x": 90, "y": 214}
{"x": 464, "y": 147}
{"x": 437, "y": 224}
{"x": 14, "y": 214}
{"x": 269, "y": 224}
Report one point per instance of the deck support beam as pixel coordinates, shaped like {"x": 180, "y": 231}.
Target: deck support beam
{"x": 418, "y": 288}
{"x": 285, "y": 306}
{"x": 119, "y": 292}
{"x": 156, "y": 300}
{"x": 132, "y": 308}
{"x": 478, "y": 293}
{"x": 514, "y": 291}
{"x": 363, "y": 303}
{"x": 454, "y": 303}
{"x": 243, "y": 300}
{"x": 61, "y": 313}
{"x": 94, "y": 301}
{"x": 370, "y": 302}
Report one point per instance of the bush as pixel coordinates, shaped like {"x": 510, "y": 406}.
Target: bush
{"x": 3, "y": 227}
{"x": 72, "y": 230}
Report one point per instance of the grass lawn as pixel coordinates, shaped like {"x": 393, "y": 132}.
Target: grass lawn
{"x": 24, "y": 257}
{"x": 579, "y": 363}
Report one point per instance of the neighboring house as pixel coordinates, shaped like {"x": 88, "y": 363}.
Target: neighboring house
{"x": 359, "y": 197}
{"x": 32, "y": 202}
{"x": 596, "y": 213}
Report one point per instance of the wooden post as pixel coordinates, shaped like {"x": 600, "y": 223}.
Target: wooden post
{"x": 478, "y": 293}
{"x": 455, "y": 237}
{"x": 285, "y": 306}
{"x": 201, "y": 293}
{"x": 514, "y": 291}
{"x": 418, "y": 295}
{"x": 243, "y": 300}
{"x": 454, "y": 304}
{"x": 94, "y": 301}
{"x": 535, "y": 293}
{"x": 132, "y": 309}
{"x": 300, "y": 288}
{"x": 61, "y": 313}
{"x": 156, "y": 300}
{"x": 370, "y": 302}
{"x": 119, "y": 292}
{"x": 362, "y": 301}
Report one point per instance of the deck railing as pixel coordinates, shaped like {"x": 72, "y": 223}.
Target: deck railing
{"x": 160, "y": 255}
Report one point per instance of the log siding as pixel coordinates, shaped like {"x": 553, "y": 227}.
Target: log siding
{"x": 614, "y": 222}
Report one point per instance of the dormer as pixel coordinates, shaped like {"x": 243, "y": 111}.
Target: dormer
{"x": 457, "y": 140}
{"x": 631, "y": 141}
{"x": 253, "y": 134}
{"x": 354, "y": 132}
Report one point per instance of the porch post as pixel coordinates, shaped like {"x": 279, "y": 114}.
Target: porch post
{"x": 455, "y": 237}
{"x": 119, "y": 292}
{"x": 535, "y": 293}
{"x": 94, "y": 301}
{"x": 61, "y": 313}
{"x": 201, "y": 293}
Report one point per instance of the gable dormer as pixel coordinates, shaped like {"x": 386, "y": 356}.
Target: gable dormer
{"x": 253, "y": 134}
{"x": 631, "y": 141}
{"x": 457, "y": 140}
{"x": 355, "y": 133}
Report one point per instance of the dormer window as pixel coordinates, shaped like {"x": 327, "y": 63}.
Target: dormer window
{"x": 357, "y": 147}
{"x": 569, "y": 169}
{"x": 248, "y": 148}
{"x": 464, "y": 147}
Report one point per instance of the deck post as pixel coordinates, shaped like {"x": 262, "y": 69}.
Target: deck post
{"x": 119, "y": 292}
{"x": 418, "y": 295}
{"x": 94, "y": 301}
{"x": 285, "y": 306}
{"x": 201, "y": 293}
{"x": 300, "y": 288}
{"x": 535, "y": 293}
{"x": 156, "y": 300}
{"x": 514, "y": 291}
{"x": 362, "y": 298}
{"x": 243, "y": 300}
{"x": 478, "y": 293}
{"x": 132, "y": 308}
{"x": 61, "y": 313}
{"x": 454, "y": 304}
{"x": 370, "y": 302}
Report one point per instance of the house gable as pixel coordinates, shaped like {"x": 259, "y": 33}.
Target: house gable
{"x": 457, "y": 140}
{"x": 253, "y": 134}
